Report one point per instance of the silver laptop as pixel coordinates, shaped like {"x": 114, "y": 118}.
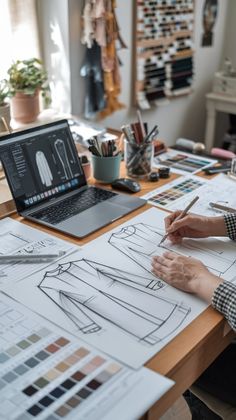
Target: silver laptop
{"x": 49, "y": 186}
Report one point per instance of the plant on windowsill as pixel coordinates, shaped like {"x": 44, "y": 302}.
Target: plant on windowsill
{"x": 4, "y": 106}
{"x": 27, "y": 79}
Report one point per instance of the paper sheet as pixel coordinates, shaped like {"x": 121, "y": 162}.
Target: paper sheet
{"x": 43, "y": 369}
{"x": 180, "y": 190}
{"x": 107, "y": 295}
{"x": 17, "y": 238}
{"x": 182, "y": 162}
{"x": 220, "y": 190}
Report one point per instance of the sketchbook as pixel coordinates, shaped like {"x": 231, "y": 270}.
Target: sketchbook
{"x": 107, "y": 294}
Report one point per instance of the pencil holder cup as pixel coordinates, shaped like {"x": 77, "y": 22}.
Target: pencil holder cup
{"x": 138, "y": 159}
{"x": 106, "y": 168}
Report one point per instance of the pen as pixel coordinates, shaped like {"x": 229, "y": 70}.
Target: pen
{"x": 29, "y": 257}
{"x": 181, "y": 215}
{"x": 221, "y": 207}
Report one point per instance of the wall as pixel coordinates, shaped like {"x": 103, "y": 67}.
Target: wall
{"x": 53, "y": 25}
{"x": 182, "y": 117}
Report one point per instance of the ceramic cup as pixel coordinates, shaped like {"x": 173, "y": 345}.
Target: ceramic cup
{"x": 106, "y": 169}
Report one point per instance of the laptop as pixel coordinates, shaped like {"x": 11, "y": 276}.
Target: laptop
{"x": 48, "y": 184}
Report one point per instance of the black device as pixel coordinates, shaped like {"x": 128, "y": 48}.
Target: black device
{"x": 48, "y": 183}
{"x": 126, "y": 184}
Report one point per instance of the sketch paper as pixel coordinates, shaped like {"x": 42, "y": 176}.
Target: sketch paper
{"x": 181, "y": 162}
{"x": 18, "y": 238}
{"x": 24, "y": 336}
{"x": 174, "y": 192}
{"x": 220, "y": 190}
{"x": 107, "y": 295}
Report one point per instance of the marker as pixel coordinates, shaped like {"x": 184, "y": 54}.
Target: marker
{"x": 221, "y": 207}
{"x": 4, "y": 259}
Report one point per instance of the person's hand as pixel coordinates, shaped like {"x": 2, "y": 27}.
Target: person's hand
{"x": 185, "y": 273}
{"x": 193, "y": 226}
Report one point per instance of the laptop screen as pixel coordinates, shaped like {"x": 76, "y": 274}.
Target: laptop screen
{"x": 41, "y": 164}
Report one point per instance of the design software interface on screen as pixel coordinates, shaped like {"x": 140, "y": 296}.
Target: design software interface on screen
{"x": 42, "y": 165}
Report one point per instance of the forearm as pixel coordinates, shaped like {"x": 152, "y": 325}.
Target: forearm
{"x": 206, "y": 286}
{"x": 217, "y": 226}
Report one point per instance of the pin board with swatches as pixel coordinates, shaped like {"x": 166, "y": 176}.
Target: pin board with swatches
{"x": 163, "y": 50}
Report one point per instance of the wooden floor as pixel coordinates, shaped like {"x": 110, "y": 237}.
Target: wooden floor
{"x": 178, "y": 411}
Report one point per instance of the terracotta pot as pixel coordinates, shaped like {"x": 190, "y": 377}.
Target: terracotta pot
{"x": 25, "y": 108}
{"x": 5, "y": 113}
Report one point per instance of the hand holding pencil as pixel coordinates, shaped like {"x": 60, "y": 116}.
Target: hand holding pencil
{"x": 179, "y": 226}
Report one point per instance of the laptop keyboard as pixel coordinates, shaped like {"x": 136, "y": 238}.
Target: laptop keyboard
{"x": 73, "y": 205}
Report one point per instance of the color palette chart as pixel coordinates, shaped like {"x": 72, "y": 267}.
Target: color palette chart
{"x": 174, "y": 191}
{"x": 183, "y": 163}
{"x": 47, "y": 374}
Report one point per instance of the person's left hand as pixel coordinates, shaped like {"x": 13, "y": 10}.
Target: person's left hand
{"x": 185, "y": 273}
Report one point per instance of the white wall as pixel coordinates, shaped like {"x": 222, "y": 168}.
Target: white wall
{"x": 53, "y": 24}
{"x": 182, "y": 117}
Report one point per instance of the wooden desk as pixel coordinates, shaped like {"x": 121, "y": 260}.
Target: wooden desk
{"x": 193, "y": 350}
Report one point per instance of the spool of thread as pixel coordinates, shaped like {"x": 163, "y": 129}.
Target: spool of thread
{"x": 222, "y": 153}
{"x": 190, "y": 145}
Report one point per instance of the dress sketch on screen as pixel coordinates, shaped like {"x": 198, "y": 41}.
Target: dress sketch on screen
{"x": 140, "y": 242}
{"x": 44, "y": 169}
{"x": 209, "y": 17}
{"x": 90, "y": 294}
{"x": 63, "y": 157}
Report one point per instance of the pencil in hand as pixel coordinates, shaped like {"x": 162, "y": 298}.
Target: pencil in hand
{"x": 181, "y": 215}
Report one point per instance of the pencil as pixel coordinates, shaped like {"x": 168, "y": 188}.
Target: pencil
{"x": 181, "y": 215}
{"x": 141, "y": 124}
{"x": 221, "y": 207}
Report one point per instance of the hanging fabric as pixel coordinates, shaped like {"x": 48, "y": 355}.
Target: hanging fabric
{"x": 101, "y": 65}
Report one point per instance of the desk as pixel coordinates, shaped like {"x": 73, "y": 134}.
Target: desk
{"x": 216, "y": 102}
{"x": 193, "y": 350}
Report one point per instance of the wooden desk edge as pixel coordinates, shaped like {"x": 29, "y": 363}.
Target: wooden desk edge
{"x": 209, "y": 331}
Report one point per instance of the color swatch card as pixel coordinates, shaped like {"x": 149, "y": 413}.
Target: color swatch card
{"x": 17, "y": 238}
{"x": 171, "y": 194}
{"x": 46, "y": 373}
{"x": 220, "y": 190}
{"x": 182, "y": 162}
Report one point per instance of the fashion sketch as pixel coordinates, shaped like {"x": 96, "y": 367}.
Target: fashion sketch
{"x": 44, "y": 169}
{"x": 63, "y": 157}
{"x": 89, "y": 292}
{"x": 140, "y": 242}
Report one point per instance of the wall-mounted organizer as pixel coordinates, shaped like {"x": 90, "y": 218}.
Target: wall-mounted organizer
{"x": 163, "y": 50}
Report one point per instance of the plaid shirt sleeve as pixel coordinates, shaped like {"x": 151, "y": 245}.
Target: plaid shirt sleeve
{"x": 224, "y": 296}
{"x": 230, "y": 222}
{"x": 224, "y": 300}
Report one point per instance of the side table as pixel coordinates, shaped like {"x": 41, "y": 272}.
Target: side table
{"x": 216, "y": 102}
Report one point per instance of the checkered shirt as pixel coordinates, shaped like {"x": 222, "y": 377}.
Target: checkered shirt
{"x": 224, "y": 296}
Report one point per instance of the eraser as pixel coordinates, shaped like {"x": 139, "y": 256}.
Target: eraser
{"x": 222, "y": 153}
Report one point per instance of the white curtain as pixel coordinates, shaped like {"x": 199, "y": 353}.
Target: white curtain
{"x": 19, "y": 32}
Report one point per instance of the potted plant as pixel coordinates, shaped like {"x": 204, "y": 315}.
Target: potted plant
{"x": 26, "y": 80}
{"x": 4, "y": 106}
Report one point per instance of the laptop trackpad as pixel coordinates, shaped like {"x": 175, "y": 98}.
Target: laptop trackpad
{"x": 92, "y": 219}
